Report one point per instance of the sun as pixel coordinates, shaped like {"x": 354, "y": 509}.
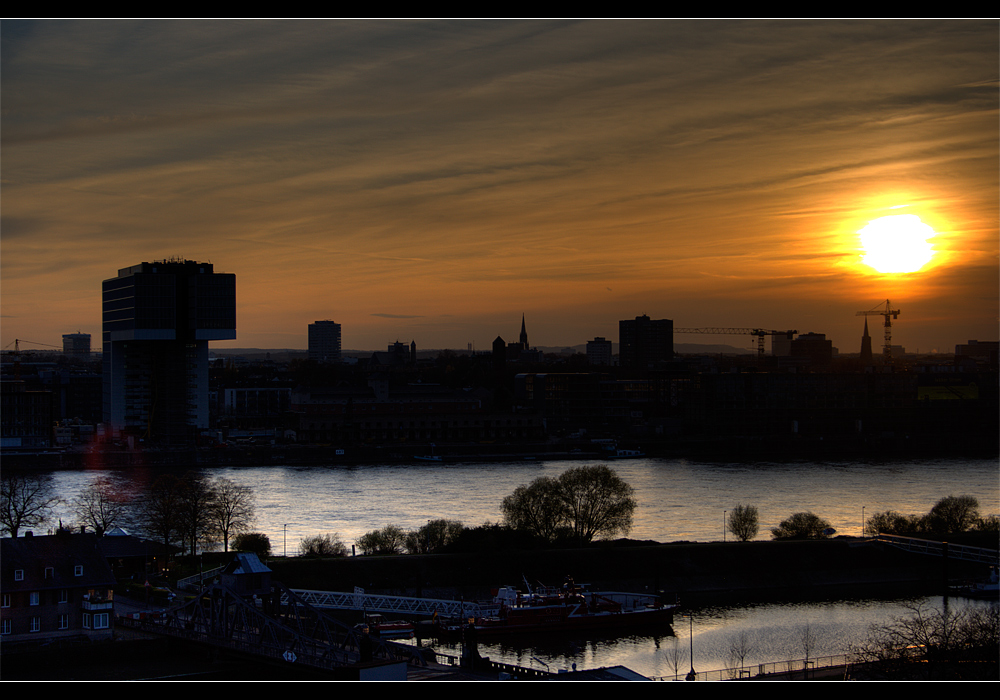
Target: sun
{"x": 897, "y": 244}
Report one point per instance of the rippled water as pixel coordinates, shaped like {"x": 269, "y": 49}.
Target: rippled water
{"x": 677, "y": 499}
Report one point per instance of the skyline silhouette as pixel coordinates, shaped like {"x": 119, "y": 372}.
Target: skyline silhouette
{"x": 435, "y": 180}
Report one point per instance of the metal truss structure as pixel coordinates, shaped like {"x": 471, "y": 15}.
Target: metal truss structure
{"x": 401, "y": 605}
{"x": 278, "y": 626}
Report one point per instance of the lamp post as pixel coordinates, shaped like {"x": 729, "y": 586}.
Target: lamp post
{"x": 284, "y": 538}
{"x": 723, "y": 526}
{"x": 691, "y": 676}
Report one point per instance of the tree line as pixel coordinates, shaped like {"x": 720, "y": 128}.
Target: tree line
{"x": 189, "y": 510}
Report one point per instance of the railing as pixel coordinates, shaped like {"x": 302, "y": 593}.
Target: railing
{"x": 939, "y": 549}
{"x": 391, "y": 604}
{"x": 796, "y": 669}
{"x": 192, "y": 583}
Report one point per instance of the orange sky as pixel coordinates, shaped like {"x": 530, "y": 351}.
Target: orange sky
{"x": 431, "y": 181}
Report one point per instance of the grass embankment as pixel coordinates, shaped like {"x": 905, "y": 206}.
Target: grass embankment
{"x": 694, "y": 571}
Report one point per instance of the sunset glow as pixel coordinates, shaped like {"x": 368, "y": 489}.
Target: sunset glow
{"x": 433, "y": 180}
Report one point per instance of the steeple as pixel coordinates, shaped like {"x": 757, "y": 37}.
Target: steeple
{"x": 866, "y": 347}
{"x": 524, "y": 334}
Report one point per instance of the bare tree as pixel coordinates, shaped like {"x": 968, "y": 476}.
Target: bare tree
{"x": 389, "y": 540}
{"x": 24, "y": 502}
{"x": 740, "y": 647}
{"x": 100, "y": 506}
{"x": 233, "y": 510}
{"x": 744, "y": 522}
{"x": 935, "y": 645}
{"x": 196, "y": 503}
{"x": 328, "y": 545}
{"x": 159, "y": 510}
{"x": 433, "y": 536}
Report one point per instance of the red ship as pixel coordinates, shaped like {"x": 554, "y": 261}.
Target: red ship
{"x": 571, "y": 607}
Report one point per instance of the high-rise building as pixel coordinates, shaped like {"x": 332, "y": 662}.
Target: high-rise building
{"x": 158, "y": 320}
{"x": 77, "y": 345}
{"x": 324, "y": 341}
{"x": 599, "y": 352}
{"x": 644, "y": 343}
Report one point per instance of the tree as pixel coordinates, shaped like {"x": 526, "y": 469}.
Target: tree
{"x": 935, "y": 645}
{"x": 328, "y": 545}
{"x": 196, "y": 504}
{"x": 233, "y": 510}
{"x": 24, "y": 502}
{"x": 744, "y": 522}
{"x": 159, "y": 511}
{"x": 389, "y": 540}
{"x": 586, "y": 502}
{"x": 434, "y": 536}
{"x": 953, "y": 514}
{"x": 801, "y": 526}
{"x": 600, "y": 502}
{"x": 100, "y": 506}
{"x": 256, "y": 542}
{"x": 537, "y": 508}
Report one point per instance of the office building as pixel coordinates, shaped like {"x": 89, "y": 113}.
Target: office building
{"x": 77, "y": 345}
{"x": 644, "y": 343}
{"x": 158, "y": 320}
{"x": 324, "y": 341}
{"x": 599, "y": 352}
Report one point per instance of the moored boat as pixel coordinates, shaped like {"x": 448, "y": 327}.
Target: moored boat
{"x": 569, "y": 608}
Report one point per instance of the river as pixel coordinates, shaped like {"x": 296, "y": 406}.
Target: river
{"x": 677, "y": 500}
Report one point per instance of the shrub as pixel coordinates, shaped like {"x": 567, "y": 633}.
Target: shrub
{"x": 389, "y": 540}
{"x": 255, "y": 542}
{"x": 328, "y": 545}
{"x": 802, "y": 526}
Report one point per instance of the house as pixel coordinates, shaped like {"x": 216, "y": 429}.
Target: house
{"x": 55, "y": 586}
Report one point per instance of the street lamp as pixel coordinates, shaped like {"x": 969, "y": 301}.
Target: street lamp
{"x": 284, "y": 538}
{"x": 723, "y": 526}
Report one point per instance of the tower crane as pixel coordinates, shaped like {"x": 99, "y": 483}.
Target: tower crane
{"x": 886, "y": 313}
{"x": 759, "y": 332}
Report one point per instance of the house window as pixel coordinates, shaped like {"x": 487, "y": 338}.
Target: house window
{"x": 49, "y": 572}
{"x": 36, "y": 624}
{"x": 6, "y": 600}
{"x": 33, "y": 598}
{"x": 64, "y": 622}
{"x": 78, "y": 570}
{"x": 63, "y": 596}
{"x": 18, "y": 574}
{"x": 86, "y": 621}
{"x": 101, "y": 621}
{"x": 5, "y": 629}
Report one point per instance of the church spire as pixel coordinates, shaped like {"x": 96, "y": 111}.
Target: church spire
{"x": 866, "y": 347}
{"x": 524, "y": 334}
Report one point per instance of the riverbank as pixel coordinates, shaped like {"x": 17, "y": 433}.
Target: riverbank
{"x": 695, "y": 573}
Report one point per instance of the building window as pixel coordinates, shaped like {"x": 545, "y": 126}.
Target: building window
{"x": 64, "y": 621}
{"x": 63, "y": 596}
{"x": 101, "y": 621}
{"x": 18, "y": 574}
{"x": 6, "y": 600}
{"x": 86, "y": 621}
{"x": 49, "y": 572}
{"x": 78, "y": 570}
{"x": 6, "y": 627}
{"x": 36, "y": 624}
{"x": 33, "y": 598}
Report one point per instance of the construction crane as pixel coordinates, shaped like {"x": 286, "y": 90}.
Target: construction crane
{"x": 886, "y": 313}
{"x": 759, "y": 332}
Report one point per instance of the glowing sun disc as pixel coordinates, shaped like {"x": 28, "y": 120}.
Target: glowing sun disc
{"x": 896, "y": 243}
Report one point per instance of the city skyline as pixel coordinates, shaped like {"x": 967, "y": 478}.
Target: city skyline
{"x": 433, "y": 180}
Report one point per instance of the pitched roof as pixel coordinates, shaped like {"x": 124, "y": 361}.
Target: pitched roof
{"x": 52, "y": 561}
